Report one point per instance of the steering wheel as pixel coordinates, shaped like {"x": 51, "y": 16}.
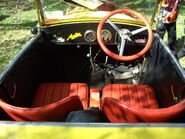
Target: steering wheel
{"x": 125, "y": 35}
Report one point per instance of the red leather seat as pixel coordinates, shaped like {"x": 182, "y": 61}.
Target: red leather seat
{"x": 136, "y": 103}
{"x": 48, "y": 93}
{"x": 52, "y": 102}
{"x": 140, "y": 96}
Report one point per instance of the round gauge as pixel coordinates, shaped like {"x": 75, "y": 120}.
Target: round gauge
{"x": 90, "y": 36}
{"x": 106, "y": 35}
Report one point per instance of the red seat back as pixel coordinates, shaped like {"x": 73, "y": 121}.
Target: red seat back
{"x": 53, "y": 112}
{"x": 52, "y": 102}
{"x": 122, "y": 104}
{"x": 141, "y": 96}
{"x": 48, "y": 93}
{"x": 118, "y": 112}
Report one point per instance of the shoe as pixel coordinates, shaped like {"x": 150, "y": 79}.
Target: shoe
{"x": 181, "y": 53}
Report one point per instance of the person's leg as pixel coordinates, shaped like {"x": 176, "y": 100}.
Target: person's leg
{"x": 171, "y": 29}
{"x": 161, "y": 29}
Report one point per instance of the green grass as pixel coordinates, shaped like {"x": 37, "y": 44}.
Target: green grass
{"x": 17, "y": 17}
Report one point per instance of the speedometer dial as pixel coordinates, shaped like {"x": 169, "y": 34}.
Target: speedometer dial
{"x": 90, "y": 36}
{"x": 106, "y": 35}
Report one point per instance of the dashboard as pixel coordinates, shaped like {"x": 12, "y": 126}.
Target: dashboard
{"x": 85, "y": 33}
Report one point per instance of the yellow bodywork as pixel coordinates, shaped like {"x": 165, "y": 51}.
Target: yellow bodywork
{"x": 60, "y": 132}
{"x": 80, "y": 14}
{"x": 77, "y": 15}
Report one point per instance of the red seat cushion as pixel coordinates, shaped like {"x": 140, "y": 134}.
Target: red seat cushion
{"x": 141, "y": 96}
{"x": 52, "y": 112}
{"x": 48, "y": 93}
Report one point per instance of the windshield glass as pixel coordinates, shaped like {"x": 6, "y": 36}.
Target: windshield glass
{"x": 67, "y": 9}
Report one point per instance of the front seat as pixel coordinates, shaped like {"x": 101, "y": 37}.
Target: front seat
{"x": 125, "y": 103}
{"x": 52, "y": 102}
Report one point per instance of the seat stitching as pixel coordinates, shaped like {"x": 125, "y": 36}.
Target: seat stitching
{"x": 44, "y": 95}
{"x": 41, "y": 100}
{"x": 156, "y": 103}
{"x": 129, "y": 94}
{"x": 77, "y": 87}
{"x": 60, "y": 94}
{"x": 63, "y": 90}
{"x": 120, "y": 94}
{"x": 52, "y": 92}
{"x": 112, "y": 94}
{"x": 140, "y": 104}
{"x": 146, "y": 92}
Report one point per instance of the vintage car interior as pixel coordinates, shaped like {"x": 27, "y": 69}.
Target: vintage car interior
{"x": 107, "y": 70}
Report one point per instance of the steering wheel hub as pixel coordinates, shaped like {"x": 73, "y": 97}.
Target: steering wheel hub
{"x": 125, "y": 33}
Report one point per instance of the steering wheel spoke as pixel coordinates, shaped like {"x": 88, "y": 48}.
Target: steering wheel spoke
{"x": 114, "y": 26}
{"x": 139, "y": 30}
{"x": 122, "y": 46}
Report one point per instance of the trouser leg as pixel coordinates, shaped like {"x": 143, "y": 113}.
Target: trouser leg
{"x": 161, "y": 31}
{"x": 171, "y": 28}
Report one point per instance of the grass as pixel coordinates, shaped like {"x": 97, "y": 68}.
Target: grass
{"x": 17, "y": 17}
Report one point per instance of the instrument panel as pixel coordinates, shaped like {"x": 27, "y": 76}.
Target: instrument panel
{"x": 86, "y": 33}
{"x": 91, "y": 36}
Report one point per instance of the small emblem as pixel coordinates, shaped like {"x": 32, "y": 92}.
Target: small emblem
{"x": 74, "y": 36}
